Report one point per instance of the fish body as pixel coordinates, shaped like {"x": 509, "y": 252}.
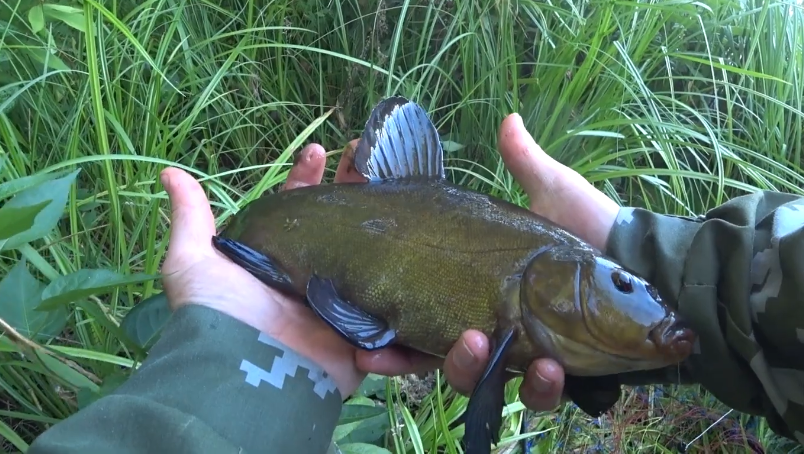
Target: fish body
{"x": 432, "y": 259}
{"x": 410, "y": 259}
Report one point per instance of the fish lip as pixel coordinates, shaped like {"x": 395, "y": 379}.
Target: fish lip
{"x": 673, "y": 338}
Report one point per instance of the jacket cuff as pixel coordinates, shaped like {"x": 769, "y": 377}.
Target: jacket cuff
{"x": 243, "y": 384}
{"x": 701, "y": 268}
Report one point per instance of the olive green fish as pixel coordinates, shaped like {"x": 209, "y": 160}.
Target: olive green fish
{"x": 410, "y": 259}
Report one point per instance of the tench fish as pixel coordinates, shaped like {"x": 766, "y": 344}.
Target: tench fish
{"x": 409, "y": 258}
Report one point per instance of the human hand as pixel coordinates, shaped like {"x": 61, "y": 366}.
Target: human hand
{"x": 196, "y": 273}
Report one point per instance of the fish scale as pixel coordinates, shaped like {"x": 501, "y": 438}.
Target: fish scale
{"x": 442, "y": 270}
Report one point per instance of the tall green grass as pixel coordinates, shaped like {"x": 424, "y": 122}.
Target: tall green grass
{"x": 674, "y": 105}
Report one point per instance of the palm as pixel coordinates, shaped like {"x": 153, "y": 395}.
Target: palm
{"x": 194, "y": 272}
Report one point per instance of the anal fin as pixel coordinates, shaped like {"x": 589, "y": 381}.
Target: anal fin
{"x": 258, "y": 264}
{"x": 357, "y": 326}
{"x": 483, "y": 417}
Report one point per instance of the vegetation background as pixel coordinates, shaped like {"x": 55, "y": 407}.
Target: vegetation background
{"x": 674, "y": 105}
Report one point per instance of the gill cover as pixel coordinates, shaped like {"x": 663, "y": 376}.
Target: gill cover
{"x": 592, "y": 314}
{"x": 554, "y": 293}
{"x": 616, "y": 299}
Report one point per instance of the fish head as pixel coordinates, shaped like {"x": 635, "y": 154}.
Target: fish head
{"x": 596, "y": 317}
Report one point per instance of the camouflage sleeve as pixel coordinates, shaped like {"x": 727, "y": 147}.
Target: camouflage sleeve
{"x": 736, "y": 275}
{"x": 210, "y": 384}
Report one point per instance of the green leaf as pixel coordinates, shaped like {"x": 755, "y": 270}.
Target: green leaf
{"x": 36, "y": 19}
{"x": 372, "y": 386}
{"x": 20, "y": 294}
{"x": 8, "y": 433}
{"x": 14, "y": 221}
{"x": 86, "y": 282}
{"x": 360, "y": 400}
{"x": 43, "y": 55}
{"x": 369, "y": 430}
{"x": 93, "y": 355}
{"x": 450, "y": 146}
{"x": 70, "y": 15}
{"x": 65, "y": 372}
{"x": 86, "y": 396}
{"x": 10, "y": 188}
{"x": 145, "y": 321}
{"x": 55, "y": 193}
{"x": 362, "y": 448}
{"x": 354, "y": 413}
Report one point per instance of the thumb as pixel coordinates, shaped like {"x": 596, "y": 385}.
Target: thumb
{"x": 192, "y": 224}
{"x": 556, "y": 192}
{"x": 539, "y": 174}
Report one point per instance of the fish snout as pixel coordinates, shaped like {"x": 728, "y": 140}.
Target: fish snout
{"x": 673, "y": 338}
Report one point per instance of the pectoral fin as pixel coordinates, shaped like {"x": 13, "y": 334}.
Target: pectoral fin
{"x": 483, "y": 417}
{"x": 399, "y": 141}
{"x": 357, "y": 326}
{"x": 593, "y": 395}
{"x": 258, "y": 264}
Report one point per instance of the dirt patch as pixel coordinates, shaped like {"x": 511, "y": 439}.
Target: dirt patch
{"x": 414, "y": 388}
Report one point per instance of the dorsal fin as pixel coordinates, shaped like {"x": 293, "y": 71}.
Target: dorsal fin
{"x": 399, "y": 141}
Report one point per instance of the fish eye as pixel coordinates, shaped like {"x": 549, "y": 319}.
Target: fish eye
{"x": 622, "y": 281}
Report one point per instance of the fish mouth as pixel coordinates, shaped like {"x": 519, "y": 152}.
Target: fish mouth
{"x": 673, "y": 338}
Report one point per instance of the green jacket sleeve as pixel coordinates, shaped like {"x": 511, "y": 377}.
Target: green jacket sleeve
{"x": 737, "y": 275}
{"x": 210, "y": 384}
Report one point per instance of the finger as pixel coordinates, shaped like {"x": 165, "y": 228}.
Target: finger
{"x": 542, "y": 386}
{"x": 395, "y": 361}
{"x": 583, "y": 210}
{"x": 465, "y": 362}
{"x": 523, "y": 157}
{"x": 308, "y": 169}
{"x": 346, "y": 172}
{"x": 192, "y": 224}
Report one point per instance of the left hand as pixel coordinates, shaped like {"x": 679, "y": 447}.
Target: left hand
{"x": 196, "y": 273}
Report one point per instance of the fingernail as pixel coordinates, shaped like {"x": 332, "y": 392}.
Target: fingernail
{"x": 464, "y": 357}
{"x": 541, "y": 384}
{"x": 164, "y": 178}
{"x": 297, "y": 155}
{"x": 349, "y": 152}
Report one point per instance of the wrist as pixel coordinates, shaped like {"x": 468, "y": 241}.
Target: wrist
{"x": 295, "y": 326}
{"x": 300, "y": 329}
{"x": 245, "y": 369}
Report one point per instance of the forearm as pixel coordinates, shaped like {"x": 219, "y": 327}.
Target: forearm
{"x": 210, "y": 384}
{"x": 724, "y": 274}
